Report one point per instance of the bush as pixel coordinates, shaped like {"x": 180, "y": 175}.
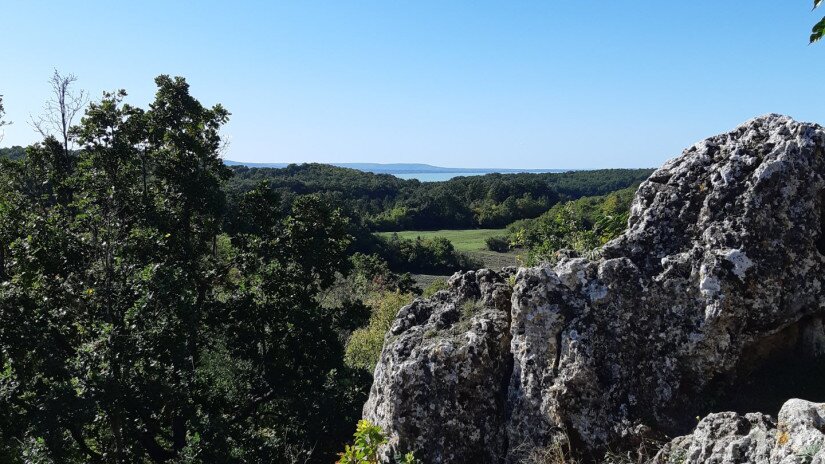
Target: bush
{"x": 368, "y": 438}
{"x": 498, "y": 244}
{"x": 365, "y": 276}
{"x": 364, "y": 345}
{"x": 435, "y": 287}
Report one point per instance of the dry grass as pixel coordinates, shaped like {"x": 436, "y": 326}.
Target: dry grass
{"x": 557, "y": 453}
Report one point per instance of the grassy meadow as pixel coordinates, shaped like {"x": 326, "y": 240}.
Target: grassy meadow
{"x": 463, "y": 239}
{"x": 469, "y": 241}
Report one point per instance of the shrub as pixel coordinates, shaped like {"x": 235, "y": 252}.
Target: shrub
{"x": 470, "y": 307}
{"x": 498, "y": 244}
{"x": 364, "y": 345}
{"x": 549, "y": 455}
{"x": 368, "y": 438}
{"x": 558, "y": 452}
{"x": 436, "y": 286}
{"x": 366, "y": 275}
{"x": 364, "y": 449}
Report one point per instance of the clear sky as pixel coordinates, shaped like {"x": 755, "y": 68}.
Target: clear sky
{"x": 521, "y": 83}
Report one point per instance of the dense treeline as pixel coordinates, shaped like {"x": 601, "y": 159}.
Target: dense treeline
{"x": 13, "y": 153}
{"x": 387, "y": 203}
{"x": 421, "y": 256}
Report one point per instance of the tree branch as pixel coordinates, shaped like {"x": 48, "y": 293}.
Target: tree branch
{"x": 77, "y": 435}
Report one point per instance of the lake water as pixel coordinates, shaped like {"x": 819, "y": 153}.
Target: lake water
{"x": 442, "y": 176}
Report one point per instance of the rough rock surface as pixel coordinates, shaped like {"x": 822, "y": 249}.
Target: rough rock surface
{"x": 728, "y": 438}
{"x": 721, "y": 268}
{"x": 439, "y": 386}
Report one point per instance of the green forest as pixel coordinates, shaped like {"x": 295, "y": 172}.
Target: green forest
{"x": 159, "y": 306}
{"x": 387, "y": 203}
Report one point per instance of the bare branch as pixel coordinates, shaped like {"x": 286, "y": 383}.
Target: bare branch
{"x": 2, "y": 121}
{"x": 61, "y": 109}
{"x": 224, "y": 147}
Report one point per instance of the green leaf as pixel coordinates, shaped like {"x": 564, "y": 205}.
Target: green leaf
{"x": 818, "y": 30}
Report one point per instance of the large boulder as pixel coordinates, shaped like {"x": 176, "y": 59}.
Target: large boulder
{"x": 721, "y": 269}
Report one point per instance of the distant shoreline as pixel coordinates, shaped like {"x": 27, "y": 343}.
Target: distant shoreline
{"x": 444, "y": 176}
{"x": 403, "y": 168}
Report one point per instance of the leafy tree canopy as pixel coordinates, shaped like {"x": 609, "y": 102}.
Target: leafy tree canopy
{"x": 142, "y": 320}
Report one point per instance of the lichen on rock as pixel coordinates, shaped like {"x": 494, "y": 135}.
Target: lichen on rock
{"x": 438, "y": 386}
{"x": 729, "y": 438}
{"x": 720, "y": 269}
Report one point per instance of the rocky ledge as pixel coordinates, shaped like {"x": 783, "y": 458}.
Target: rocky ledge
{"x": 718, "y": 278}
{"x": 727, "y": 437}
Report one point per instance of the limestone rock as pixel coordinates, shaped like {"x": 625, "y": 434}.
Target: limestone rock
{"x": 728, "y": 438}
{"x": 439, "y": 388}
{"x": 721, "y": 268}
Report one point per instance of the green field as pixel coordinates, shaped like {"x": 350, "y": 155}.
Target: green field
{"x": 462, "y": 240}
{"x": 469, "y": 241}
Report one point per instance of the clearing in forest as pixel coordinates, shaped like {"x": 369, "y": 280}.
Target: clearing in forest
{"x": 469, "y": 241}
{"x": 462, "y": 239}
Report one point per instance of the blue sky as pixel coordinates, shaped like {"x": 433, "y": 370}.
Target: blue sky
{"x": 525, "y": 84}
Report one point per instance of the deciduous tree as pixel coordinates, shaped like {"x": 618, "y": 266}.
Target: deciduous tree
{"x": 140, "y": 321}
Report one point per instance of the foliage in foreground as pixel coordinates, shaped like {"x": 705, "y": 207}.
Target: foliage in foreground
{"x": 143, "y": 321}
{"x": 368, "y": 438}
{"x": 818, "y": 31}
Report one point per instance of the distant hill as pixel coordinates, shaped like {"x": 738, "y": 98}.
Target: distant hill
{"x": 255, "y": 165}
{"x": 386, "y": 202}
{"x": 399, "y": 168}
{"x": 13, "y": 153}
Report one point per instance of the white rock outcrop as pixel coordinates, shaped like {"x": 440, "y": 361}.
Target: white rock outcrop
{"x": 721, "y": 268}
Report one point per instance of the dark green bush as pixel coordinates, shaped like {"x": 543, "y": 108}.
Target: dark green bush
{"x": 498, "y": 244}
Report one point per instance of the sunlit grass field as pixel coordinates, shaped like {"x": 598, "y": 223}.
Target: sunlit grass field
{"x": 469, "y": 241}
{"x": 463, "y": 240}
